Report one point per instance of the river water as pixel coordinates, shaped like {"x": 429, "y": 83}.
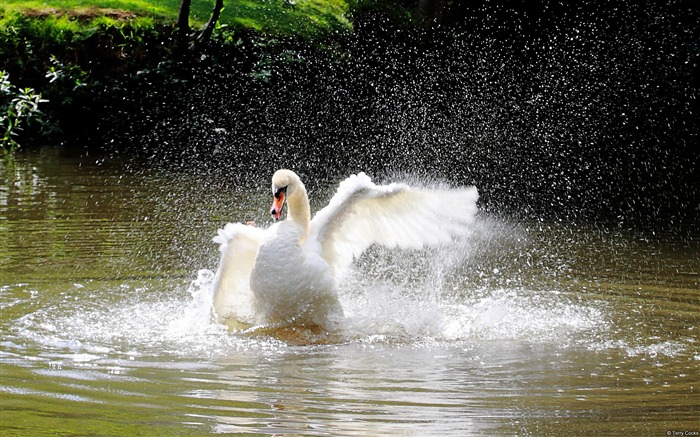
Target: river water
{"x": 539, "y": 327}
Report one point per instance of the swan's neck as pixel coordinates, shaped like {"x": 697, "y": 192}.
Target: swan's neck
{"x": 299, "y": 209}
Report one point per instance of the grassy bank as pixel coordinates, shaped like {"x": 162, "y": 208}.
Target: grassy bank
{"x": 305, "y": 18}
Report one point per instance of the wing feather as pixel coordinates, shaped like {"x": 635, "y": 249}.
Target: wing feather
{"x": 239, "y": 246}
{"x": 361, "y": 214}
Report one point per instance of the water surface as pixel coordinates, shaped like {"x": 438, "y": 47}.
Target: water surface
{"x": 536, "y": 326}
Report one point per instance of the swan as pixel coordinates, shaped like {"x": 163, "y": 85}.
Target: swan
{"x": 287, "y": 274}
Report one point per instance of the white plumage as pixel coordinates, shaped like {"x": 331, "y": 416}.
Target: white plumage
{"x": 287, "y": 274}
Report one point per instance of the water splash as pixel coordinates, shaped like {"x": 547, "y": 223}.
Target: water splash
{"x": 482, "y": 289}
{"x": 502, "y": 283}
{"x": 439, "y": 294}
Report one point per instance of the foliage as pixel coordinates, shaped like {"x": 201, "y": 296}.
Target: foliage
{"x": 297, "y": 18}
{"x": 18, "y": 107}
{"x": 31, "y": 46}
{"x": 65, "y": 79}
{"x": 66, "y": 59}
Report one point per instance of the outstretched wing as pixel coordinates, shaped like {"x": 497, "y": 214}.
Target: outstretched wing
{"x": 239, "y": 246}
{"x": 397, "y": 215}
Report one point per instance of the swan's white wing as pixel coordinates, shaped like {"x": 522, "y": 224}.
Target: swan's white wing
{"x": 362, "y": 213}
{"x": 239, "y": 246}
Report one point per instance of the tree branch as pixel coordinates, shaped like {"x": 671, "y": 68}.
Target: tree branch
{"x": 205, "y": 36}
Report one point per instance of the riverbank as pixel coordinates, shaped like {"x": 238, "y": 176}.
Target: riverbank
{"x": 65, "y": 50}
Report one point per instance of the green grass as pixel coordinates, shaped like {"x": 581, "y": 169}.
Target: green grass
{"x": 304, "y": 18}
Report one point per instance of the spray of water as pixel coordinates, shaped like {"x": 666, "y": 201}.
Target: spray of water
{"x": 501, "y": 283}
{"x": 475, "y": 289}
{"x": 582, "y": 111}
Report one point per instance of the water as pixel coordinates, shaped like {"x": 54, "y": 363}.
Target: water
{"x": 531, "y": 327}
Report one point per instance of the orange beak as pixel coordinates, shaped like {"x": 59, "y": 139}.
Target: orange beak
{"x": 277, "y": 204}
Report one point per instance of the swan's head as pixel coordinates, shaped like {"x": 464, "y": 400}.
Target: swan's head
{"x": 284, "y": 184}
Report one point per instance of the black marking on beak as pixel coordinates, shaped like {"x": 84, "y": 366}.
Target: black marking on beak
{"x": 280, "y": 191}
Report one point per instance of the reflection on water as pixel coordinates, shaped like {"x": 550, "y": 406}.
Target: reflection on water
{"x": 537, "y": 327}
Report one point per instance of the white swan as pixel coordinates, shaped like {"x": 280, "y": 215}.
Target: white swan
{"x": 287, "y": 274}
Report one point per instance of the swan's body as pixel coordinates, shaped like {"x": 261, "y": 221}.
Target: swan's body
{"x": 288, "y": 272}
